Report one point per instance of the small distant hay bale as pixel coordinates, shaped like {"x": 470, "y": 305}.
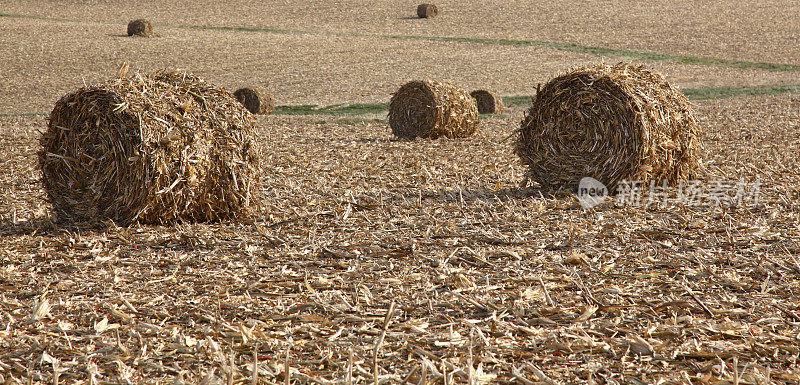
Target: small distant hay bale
{"x": 427, "y": 11}
{"x": 256, "y": 99}
{"x": 613, "y": 123}
{"x": 159, "y": 148}
{"x": 140, "y": 27}
{"x": 488, "y": 102}
{"x": 430, "y": 109}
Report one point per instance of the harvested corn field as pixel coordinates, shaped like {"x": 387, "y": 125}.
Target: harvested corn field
{"x": 475, "y": 271}
{"x": 373, "y": 260}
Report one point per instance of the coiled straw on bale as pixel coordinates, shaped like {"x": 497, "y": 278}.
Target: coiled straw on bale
{"x": 430, "y": 109}
{"x": 161, "y": 148}
{"x": 140, "y": 27}
{"x": 488, "y": 102}
{"x": 612, "y": 123}
{"x": 427, "y": 11}
{"x": 256, "y": 99}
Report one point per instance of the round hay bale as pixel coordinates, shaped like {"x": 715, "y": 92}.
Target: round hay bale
{"x": 159, "y": 148}
{"x": 140, "y": 27}
{"x": 427, "y": 11}
{"x": 430, "y": 109}
{"x": 613, "y": 123}
{"x": 489, "y": 102}
{"x": 256, "y": 99}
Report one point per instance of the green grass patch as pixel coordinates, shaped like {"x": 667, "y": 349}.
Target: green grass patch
{"x": 349, "y": 121}
{"x": 522, "y": 100}
{"x": 35, "y": 17}
{"x": 611, "y": 52}
{"x": 346, "y": 111}
{"x": 335, "y": 110}
{"x": 24, "y": 114}
{"x": 708, "y": 93}
{"x": 703, "y": 93}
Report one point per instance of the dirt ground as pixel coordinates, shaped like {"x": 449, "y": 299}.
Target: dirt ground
{"x": 44, "y": 59}
{"x": 756, "y": 31}
{"x": 383, "y": 261}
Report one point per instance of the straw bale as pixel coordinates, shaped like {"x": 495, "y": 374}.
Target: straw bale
{"x": 431, "y": 109}
{"x": 256, "y": 99}
{"x": 427, "y": 11}
{"x": 155, "y": 148}
{"x": 489, "y": 102}
{"x": 612, "y": 123}
{"x": 140, "y": 27}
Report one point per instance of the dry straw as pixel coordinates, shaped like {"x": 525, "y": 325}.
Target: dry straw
{"x": 158, "y": 149}
{"x": 140, "y": 27}
{"x": 430, "y": 109}
{"x": 427, "y": 11}
{"x": 256, "y": 99}
{"x": 489, "y": 102}
{"x": 612, "y": 123}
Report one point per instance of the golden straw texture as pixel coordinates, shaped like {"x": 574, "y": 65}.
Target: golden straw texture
{"x": 612, "y": 123}
{"x": 430, "y": 109}
{"x": 158, "y": 149}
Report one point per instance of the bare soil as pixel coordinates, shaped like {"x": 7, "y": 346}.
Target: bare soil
{"x": 756, "y": 31}
{"x": 41, "y": 63}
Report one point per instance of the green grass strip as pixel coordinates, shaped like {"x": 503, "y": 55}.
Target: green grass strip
{"x": 710, "y": 93}
{"x": 19, "y": 16}
{"x": 522, "y": 100}
{"x": 703, "y": 93}
{"x": 21, "y": 115}
{"x": 568, "y": 47}
{"x": 335, "y": 110}
{"x": 344, "y": 110}
{"x": 360, "y": 109}
{"x": 613, "y": 52}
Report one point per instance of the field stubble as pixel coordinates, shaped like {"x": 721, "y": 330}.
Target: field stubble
{"x": 489, "y": 281}
{"x": 735, "y": 30}
{"x": 39, "y": 66}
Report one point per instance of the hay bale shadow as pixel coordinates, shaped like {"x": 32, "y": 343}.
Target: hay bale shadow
{"x": 36, "y": 226}
{"x": 471, "y": 195}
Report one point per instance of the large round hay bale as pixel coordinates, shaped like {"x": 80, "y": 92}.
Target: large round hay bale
{"x": 140, "y": 27}
{"x": 256, "y": 99}
{"x": 157, "y": 148}
{"x": 488, "y": 102}
{"x": 430, "y": 109}
{"x": 427, "y": 11}
{"x": 612, "y": 123}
